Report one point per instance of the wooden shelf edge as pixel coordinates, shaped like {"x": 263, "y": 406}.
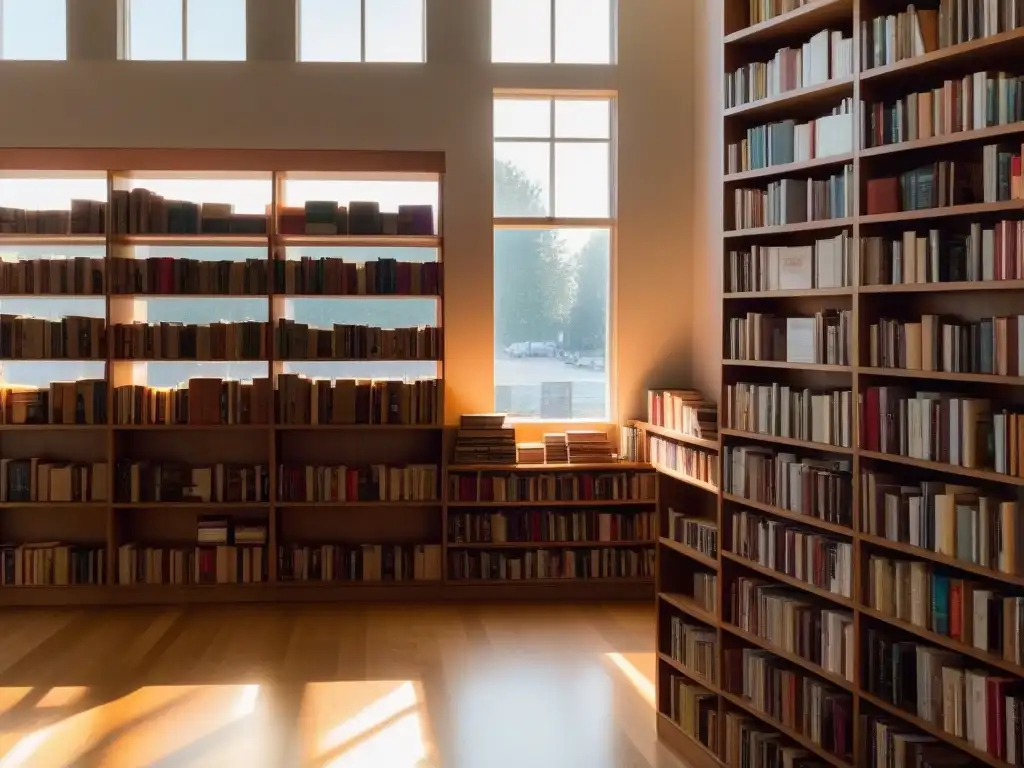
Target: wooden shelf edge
{"x": 825, "y": 90}
{"x": 944, "y": 212}
{"x": 953, "y": 287}
{"x": 785, "y": 229}
{"x": 711, "y": 445}
{"x": 684, "y": 478}
{"x": 796, "y": 517}
{"x": 946, "y": 560}
{"x": 806, "y": 444}
{"x": 911, "y": 373}
{"x": 686, "y": 551}
{"x": 551, "y": 544}
{"x": 960, "y": 137}
{"x": 790, "y": 581}
{"x": 950, "y": 52}
{"x": 810, "y": 666}
{"x": 690, "y": 674}
{"x": 616, "y": 466}
{"x": 792, "y": 293}
{"x": 778, "y": 24}
{"x": 670, "y": 731}
{"x": 936, "y": 466}
{"x": 782, "y": 364}
{"x": 689, "y": 607}
{"x": 556, "y": 503}
{"x": 786, "y": 168}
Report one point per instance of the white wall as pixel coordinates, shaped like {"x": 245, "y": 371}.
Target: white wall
{"x": 271, "y": 101}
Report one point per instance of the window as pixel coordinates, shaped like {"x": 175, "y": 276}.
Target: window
{"x": 185, "y": 30}
{"x": 552, "y": 256}
{"x": 546, "y": 31}
{"x": 362, "y": 30}
{"x": 33, "y": 29}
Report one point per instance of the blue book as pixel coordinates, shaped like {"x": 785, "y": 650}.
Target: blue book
{"x": 940, "y": 604}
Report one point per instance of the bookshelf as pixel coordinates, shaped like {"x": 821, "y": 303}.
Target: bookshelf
{"x": 273, "y": 439}
{"x": 770, "y": 422}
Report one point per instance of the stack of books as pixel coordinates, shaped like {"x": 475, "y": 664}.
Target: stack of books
{"x": 530, "y": 453}
{"x": 484, "y": 439}
{"x": 555, "y": 449}
{"x": 588, "y": 447}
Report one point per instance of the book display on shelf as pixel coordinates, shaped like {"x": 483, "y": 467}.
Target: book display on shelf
{"x": 868, "y": 576}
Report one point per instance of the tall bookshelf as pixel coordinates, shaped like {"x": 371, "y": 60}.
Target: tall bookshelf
{"x": 941, "y": 572}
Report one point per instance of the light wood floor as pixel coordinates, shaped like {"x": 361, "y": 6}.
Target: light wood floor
{"x": 498, "y": 686}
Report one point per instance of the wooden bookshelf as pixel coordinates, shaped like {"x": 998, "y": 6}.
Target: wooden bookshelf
{"x": 679, "y": 567}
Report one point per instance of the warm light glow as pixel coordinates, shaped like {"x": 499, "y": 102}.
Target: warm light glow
{"x": 379, "y": 711}
{"x": 400, "y": 745}
{"x": 63, "y": 696}
{"x": 246, "y": 701}
{"x": 25, "y": 748}
{"x": 643, "y": 685}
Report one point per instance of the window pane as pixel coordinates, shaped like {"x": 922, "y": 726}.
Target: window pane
{"x": 551, "y": 323}
{"x": 394, "y": 30}
{"x": 35, "y": 29}
{"x": 583, "y": 118}
{"x": 216, "y": 30}
{"x": 581, "y": 180}
{"x": 521, "y": 31}
{"x": 154, "y": 30}
{"x": 522, "y": 118}
{"x": 329, "y": 30}
{"x": 583, "y": 31}
{"x": 522, "y": 178}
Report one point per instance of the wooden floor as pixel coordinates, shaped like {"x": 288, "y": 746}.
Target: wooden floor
{"x": 497, "y": 686}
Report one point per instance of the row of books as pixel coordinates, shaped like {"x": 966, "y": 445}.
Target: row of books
{"x": 696, "y": 533}
{"x": 980, "y": 707}
{"x": 828, "y": 263}
{"x": 789, "y": 141}
{"x": 887, "y": 39}
{"x": 337, "y": 277}
{"x": 84, "y": 217}
{"x": 39, "y": 479}
{"x": 964, "y": 523}
{"x": 588, "y": 446}
{"x": 929, "y": 597}
{"x": 828, "y": 55}
{"x": 818, "y": 488}
{"x": 694, "y": 646}
{"x": 937, "y": 185}
{"x": 169, "y": 276}
{"x": 539, "y": 486}
{"x": 203, "y": 564}
{"x": 990, "y": 345}
{"x": 821, "y": 339}
{"x": 300, "y": 341}
{"x": 695, "y": 710}
{"x": 762, "y": 10}
{"x": 794, "y": 201}
{"x": 891, "y": 743}
{"x": 685, "y": 411}
{"x": 821, "y": 561}
{"x": 784, "y": 411}
{"x": 243, "y": 340}
{"x": 946, "y": 428}
{"x": 817, "y": 710}
{"x": 47, "y": 564}
{"x": 984, "y": 252}
{"x": 542, "y": 564}
{"x": 143, "y": 212}
{"x": 143, "y": 481}
{"x": 632, "y": 443}
{"x": 705, "y": 590}
{"x": 973, "y": 102}
{"x": 329, "y": 217}
{"x": 749, "y": 742}
{"x": 791, "y": 621}
{"x": 63, "y": 402}
{"x": 71, "y": 337}
{"x": 202, "y": 401}
{"x": 413, "y": 482}
{"x": 68, "y": 276}
{"x": 366, "y": 563}
{"x": 685, "y": 459}
{"x": 961, "y": 21}
{"x": 301, "y": 400}
{"x": 1002, "y": 173}
{"x": 545, "y": 525}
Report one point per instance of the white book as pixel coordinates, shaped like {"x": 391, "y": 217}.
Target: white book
{"x": 833, "y": 135}
{"x": 800, "y": 340}
{"x": 796, "y": 267}
{"x": 816, "y": 64}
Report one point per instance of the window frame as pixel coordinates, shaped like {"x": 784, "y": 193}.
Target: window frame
{"x": 613, "y": 40}
{"x": 362, "y": 39}
{"x": 126, "y": 36}
{"x": 610, "y": 223}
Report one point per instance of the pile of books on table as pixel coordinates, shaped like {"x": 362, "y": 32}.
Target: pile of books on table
{"x": 483, "y": 438}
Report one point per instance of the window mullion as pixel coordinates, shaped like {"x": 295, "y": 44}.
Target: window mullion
{"x": 551, "y": 156}
{"x": 184, "y": 30}
{"x": 362, "y": 30}
{"x": 551, "y": 52}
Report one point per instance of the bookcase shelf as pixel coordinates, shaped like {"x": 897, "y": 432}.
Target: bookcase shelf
{"x": 864, "y": 486}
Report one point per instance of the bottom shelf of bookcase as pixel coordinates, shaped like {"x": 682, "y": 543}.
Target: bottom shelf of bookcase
{"x": 692, "y": 751}
{"x": 308, "y": 592}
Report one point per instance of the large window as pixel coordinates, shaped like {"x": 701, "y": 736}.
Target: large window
{"x": 184, "y": 30}
{"x": 33, "y": 29}
{"x": 552, "y": 256}
{"x": 362, "y": 30}
{"x": 552, "y": 31}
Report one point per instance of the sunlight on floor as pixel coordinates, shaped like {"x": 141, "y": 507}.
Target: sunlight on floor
{"x": 630, "y": 665}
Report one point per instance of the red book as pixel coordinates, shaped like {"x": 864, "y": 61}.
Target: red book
{"x": 956, "y": 589}
{"x": 869, "y": 427}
